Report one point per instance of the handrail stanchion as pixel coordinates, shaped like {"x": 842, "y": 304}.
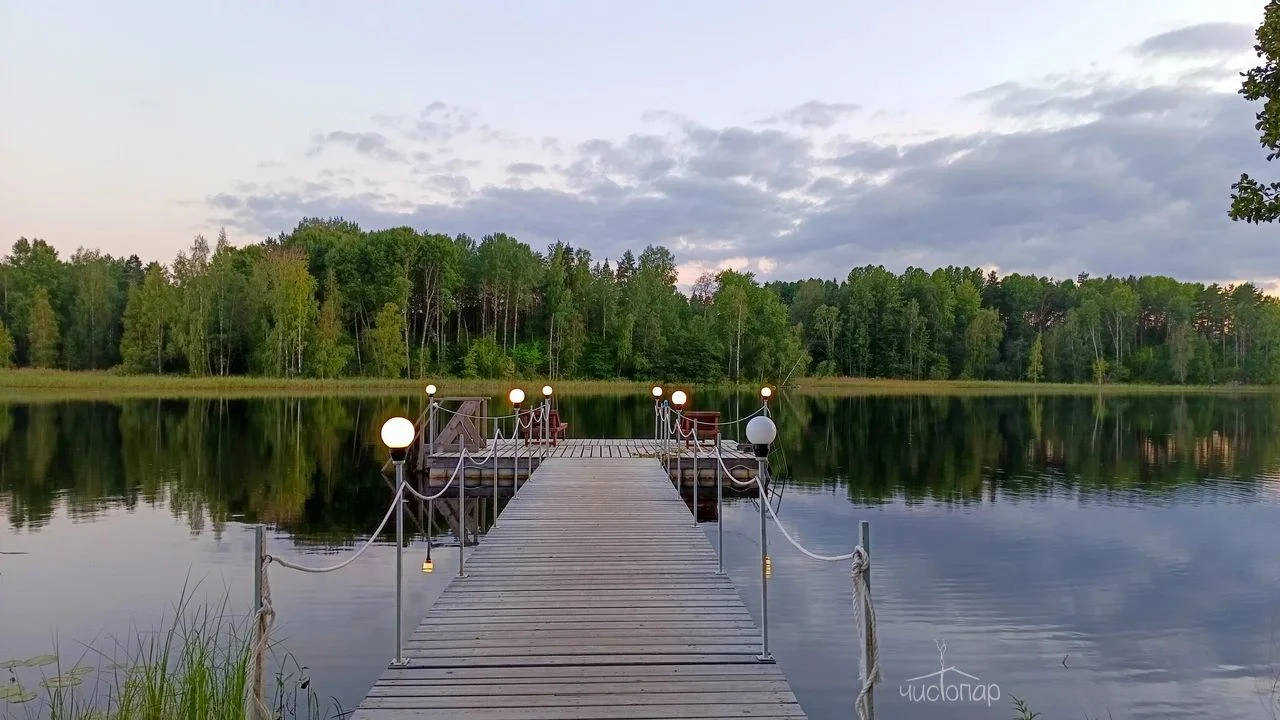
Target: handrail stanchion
{"x": 868, "y": 633}
{"x": 764, "y": 574}
{"x": 462, "y": 509}
{"x": 719, "y": 509}
{"x": 697, "y": 447}
{"x": 495, "y": 473}
{"x": 399, "y": 462}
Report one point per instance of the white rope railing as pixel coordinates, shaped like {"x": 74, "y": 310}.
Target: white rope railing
{"x": 333, "y": 568}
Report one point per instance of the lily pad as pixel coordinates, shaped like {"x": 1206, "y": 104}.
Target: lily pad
{"x": 40, "y": 660}
{"x": 80, "y": 670}
{"x": 10, "y": 664}
{"x": 61, "y": 681}
{"x": 24, "y": 697}
{"x": 9, "y": 690}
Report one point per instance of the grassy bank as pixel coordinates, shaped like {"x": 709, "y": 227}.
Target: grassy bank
{"x": 28, "y": 385}
{"x": 194, "y": 668}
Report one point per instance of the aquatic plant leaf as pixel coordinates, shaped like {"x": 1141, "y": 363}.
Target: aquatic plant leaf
{"x": 61, "y": 681}
{"x": 9, "y": 690}
{"x": 40, "y": 660}
{"x": 22, "y": 698}
{"x": 10, "y": 664}
{"x": 80, "y": 670}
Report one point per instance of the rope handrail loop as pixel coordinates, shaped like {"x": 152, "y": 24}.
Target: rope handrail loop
{"x": 680, "y": 414}
{"x": 267, "y": 559}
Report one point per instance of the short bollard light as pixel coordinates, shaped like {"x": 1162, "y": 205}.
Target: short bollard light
{"x": 427, "y": 565}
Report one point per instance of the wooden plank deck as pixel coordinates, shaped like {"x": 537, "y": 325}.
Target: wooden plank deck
{"x": 590, "y": 599}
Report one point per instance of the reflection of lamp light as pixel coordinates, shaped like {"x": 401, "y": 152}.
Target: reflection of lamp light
{"x": 516, "y": 396}
{"x": 657, "y": 391}
{"x": 678, "y": 398}
{"x": 760, "y": 432}
{"x": 768, "y": 566}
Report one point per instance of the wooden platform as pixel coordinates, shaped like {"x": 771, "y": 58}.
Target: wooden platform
{"x": 590, "y": 599}
{"x": 608, "y": 448}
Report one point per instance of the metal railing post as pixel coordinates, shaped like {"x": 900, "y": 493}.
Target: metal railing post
{"x": 462, "y": 508}
{"x": 864, "y": 539}
{"x": 764, "y": 574}
{"x": 697, "y": 449}
{"x": 399, "y": 561}
{"x": 495, "y": 473}
{"x": 719, "y": 509}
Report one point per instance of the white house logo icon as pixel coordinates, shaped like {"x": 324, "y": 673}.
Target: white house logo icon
{"x": 935, "y": 688}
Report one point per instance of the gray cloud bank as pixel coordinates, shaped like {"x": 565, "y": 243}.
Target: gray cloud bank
{"x": 1103, "y": 176}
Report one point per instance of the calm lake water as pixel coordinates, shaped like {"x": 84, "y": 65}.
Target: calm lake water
{"x": 1093, "y": 556}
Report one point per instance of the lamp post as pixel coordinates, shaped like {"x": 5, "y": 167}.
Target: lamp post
{"x": 546, "y": 412}
{"x": 760, "y": 433}
{"x": 766, "y": 392}
{"x": 516, "y": 396}
{"x": 397, "y": 435}
{"x": 678, "y": 398}
{"x": 657, "y": 398}
{"x": 431, "y": 415}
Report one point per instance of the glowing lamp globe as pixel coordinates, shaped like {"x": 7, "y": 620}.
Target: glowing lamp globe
{"x": 516, "y": 396}
{"x": 397, "y": 433}
{"x": 546, "y": 391}
{"x": 431, "y": 389}
{"x": 766, "y": 392}
{"x": 761, "y": 431}
{"x": 678, "y": 398}
{"x": 657, "y": 391}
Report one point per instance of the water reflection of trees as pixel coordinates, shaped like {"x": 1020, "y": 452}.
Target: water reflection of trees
{"x": 311, "y": 466}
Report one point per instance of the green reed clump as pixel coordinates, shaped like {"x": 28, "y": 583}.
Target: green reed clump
{"x": 194, "y": 668}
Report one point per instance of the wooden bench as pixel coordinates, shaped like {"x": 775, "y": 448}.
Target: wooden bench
{"x": 555, "y": 427}
{"x": 704, "y": 425}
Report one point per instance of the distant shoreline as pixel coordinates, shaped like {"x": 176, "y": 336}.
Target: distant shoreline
{"x": 25, "y": 384}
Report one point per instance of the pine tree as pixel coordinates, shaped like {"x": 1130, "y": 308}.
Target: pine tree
{"x": 42, "y": 331}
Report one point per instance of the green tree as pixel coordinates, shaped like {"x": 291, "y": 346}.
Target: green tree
{"x": 1035, "y": 361}
{"x": 1253, "y": 201}
{"x": 6, "y": 347}
{"x": 147, "y": 313}
{"x": 386, "y": 342}
{"x": 42, "y": 331}
{"x": 330, "y": 351}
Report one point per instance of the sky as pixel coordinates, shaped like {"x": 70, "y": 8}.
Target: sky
{"x": 790, "y": 139}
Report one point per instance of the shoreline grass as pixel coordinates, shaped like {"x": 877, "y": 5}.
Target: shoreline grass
{"x": 193, "y": 668}
{"x": 28, "y": 385}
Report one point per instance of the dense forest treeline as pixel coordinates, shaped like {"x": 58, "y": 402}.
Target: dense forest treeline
{"x": 330, "y": 299}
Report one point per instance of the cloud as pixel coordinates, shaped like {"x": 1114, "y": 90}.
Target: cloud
{"x": 813, "y": 115}
{"x": 1198, "y": 41}
{"x": 1088, "y": 173}
{"x": 373, "y": 144}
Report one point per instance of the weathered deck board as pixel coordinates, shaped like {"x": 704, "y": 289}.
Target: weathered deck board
{"x": 592, "y": 598}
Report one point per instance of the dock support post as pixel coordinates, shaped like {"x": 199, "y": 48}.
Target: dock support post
{"x": 697, "y": 447}
{"x": 462, "y": 511}
{"x": 764, "y": 573}
{"x": 399, "y": 559}
{"x": 719, "y": 512}
{"x": 864, "y": 539}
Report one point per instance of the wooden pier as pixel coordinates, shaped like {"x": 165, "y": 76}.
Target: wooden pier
{"x": 595, "y": 596}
